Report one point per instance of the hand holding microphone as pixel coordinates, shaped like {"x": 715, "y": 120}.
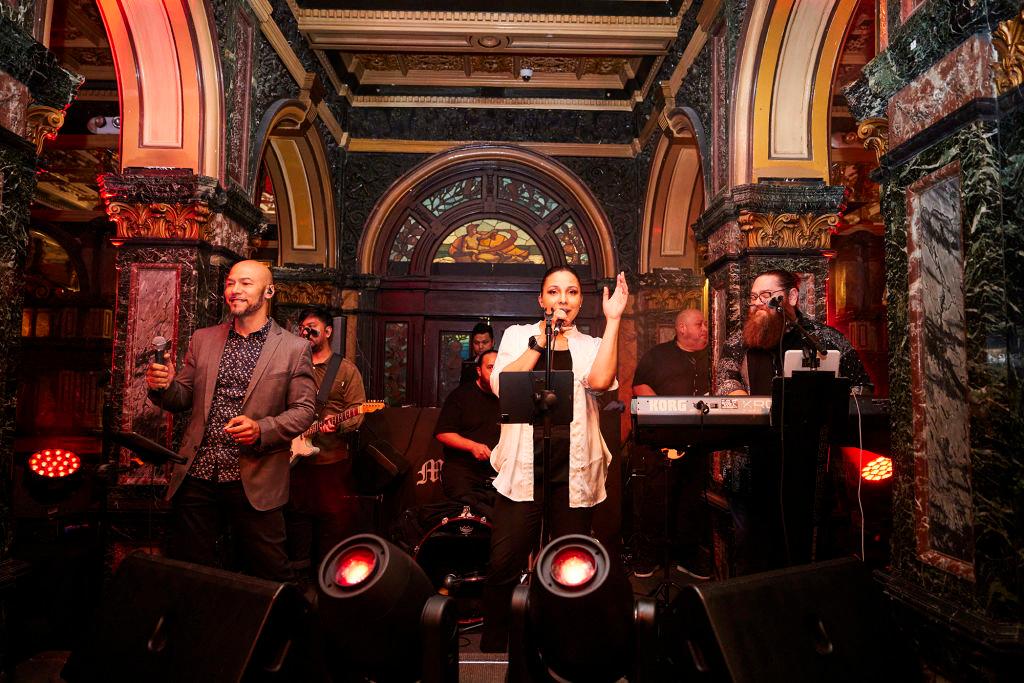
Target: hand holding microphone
{"x": 160, "y": 372}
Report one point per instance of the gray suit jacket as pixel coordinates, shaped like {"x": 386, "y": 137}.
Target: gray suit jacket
{"x": 281, "y": 398}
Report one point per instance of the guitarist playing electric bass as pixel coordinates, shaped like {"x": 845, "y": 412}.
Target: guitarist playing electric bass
{"x": 322, "y": 510}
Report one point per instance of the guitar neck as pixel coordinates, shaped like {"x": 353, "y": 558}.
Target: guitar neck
{"x": 332, "y": 420}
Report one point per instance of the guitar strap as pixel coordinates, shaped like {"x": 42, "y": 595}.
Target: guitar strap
{"x": 324, "y": 394}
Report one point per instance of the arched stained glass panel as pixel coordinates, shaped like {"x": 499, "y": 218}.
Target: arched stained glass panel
{"x": 526, "y": 195}
{"x": 450, "y": 196}
{"x": 405, "y": 241}
{"x": 490, "y": 240}
{"x": 573, "y": 246}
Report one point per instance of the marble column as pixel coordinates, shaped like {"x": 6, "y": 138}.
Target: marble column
{"x": 34, "y": 92}
{"x": 944, "y": 108}
{"x": 177, "y": 234}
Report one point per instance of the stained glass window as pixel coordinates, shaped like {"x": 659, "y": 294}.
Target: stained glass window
{"x": 396, "y": 363}
{"x": 490, "y": 240}
{"x": 573, "y": 247}
{"x": 527, "y": 195}
{"x": 450, "y": 196}
{"x": 405, "y": 241}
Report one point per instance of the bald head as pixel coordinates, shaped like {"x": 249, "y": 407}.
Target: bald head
{"x": 691, "y": 330}
{"x": 248, "y": 289}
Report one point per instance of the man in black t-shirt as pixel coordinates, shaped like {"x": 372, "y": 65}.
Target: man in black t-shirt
{"x": 469, "y": 428}
{"x": 680, "y": 367}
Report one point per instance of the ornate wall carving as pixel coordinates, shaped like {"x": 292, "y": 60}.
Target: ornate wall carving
{"x": 874, "y": 132}
{"x": 42, "y": 124}
{"x": 159, "y": 221}
{"x": 787, "y": 230}
{"x": 1008, "y": 39}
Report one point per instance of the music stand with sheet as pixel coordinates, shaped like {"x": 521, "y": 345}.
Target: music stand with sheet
{"x": 795, "y": 360}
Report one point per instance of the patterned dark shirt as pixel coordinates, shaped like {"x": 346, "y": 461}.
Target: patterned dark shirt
{"x": 217, "y": 459}
{"x": 752, "y": 370}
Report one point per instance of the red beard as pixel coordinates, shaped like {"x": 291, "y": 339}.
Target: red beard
{"x": 763, "y": 329}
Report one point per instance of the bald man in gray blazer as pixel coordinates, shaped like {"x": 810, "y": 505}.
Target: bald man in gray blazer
{"x": 249, "y": 384}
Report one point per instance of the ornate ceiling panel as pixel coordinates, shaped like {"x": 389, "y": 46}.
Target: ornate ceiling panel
{"x": 547, "y": 48}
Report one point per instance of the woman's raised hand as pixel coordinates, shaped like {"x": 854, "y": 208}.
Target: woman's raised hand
{"x": 615, "y": 304}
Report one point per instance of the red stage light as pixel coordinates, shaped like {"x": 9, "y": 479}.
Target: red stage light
{"x": 573, "y": 567}
{"x": 54, "y": 463}
{"x": 878, "y": 469}
{"x": 355, "y": 566}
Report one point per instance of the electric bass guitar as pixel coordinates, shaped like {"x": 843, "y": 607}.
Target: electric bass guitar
{"x": 302, "y": 445}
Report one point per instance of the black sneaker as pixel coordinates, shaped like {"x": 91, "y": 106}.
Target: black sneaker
{"x": 692, "y": 573}
{"x": 642, "y": 570}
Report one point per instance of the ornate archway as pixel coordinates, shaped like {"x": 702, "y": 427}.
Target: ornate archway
{"x": 462, "y": 237}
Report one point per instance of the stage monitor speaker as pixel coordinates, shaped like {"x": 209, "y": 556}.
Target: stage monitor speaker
{"x": 164, "y": 620}
{"x": 819, "y": 622}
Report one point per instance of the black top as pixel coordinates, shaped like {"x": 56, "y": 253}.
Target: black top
{"x": 474, "y": 414}
{"x": 671, "y": 371}
{"x": 217, "y": 459}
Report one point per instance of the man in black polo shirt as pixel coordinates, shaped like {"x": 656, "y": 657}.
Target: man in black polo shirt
{"x": 469, "y": 428}
{"x": 680, "y": 367}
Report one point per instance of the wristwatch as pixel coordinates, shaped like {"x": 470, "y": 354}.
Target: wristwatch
{"x": 534, "y": 345}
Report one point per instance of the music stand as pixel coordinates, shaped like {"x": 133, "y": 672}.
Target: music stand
{"x": 147, "y": 449}
{"x": 520, "y": 393}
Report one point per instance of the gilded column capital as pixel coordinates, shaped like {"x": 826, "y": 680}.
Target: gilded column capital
{"x": 159, "y": 220}
{"x": 42, "y": 124}
{"x": 875, "y": 134}
{"x": 787, "y": 230}
{"x": 1008, "y": 39}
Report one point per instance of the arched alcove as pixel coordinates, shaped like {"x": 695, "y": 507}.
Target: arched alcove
{"x": 294, "y": 159}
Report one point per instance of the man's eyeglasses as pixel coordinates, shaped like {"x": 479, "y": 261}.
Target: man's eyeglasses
{"x": 765, "y": 296}
{"x": 309, "y": 332}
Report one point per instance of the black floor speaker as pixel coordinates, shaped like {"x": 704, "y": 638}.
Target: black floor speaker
{"x": 818, "y": 622}
{"x": 163, "y": 620}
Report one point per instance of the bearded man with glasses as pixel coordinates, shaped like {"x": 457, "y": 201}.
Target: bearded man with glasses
{"x": 748, "y": 367}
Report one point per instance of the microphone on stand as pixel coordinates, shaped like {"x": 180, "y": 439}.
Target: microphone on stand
{"x": 776, "y": 304}
{"x": 160, "y": 345}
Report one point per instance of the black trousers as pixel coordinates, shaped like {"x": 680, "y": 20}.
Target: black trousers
{"x": 202, "y": 511}
{"x": 464, "y": 483}
{"x": 321, "y": 512}
{"x": 516, "y": 533}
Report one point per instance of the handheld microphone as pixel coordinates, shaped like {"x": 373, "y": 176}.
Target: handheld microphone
{"x": 160, "y": 345}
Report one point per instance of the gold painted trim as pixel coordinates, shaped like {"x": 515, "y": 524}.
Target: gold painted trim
{"x": 787, "y": 230}
{"x": 875, "y": 134}
{"x": 42, "y": 124}
{"x": 97, "y": 96}
{"x": 557, "y": 149}
{"x": 369, "y": 247}
{"x": 1008, "y": 39}
{"x": 491, "y": 102}
{"x": 449, "y": 19}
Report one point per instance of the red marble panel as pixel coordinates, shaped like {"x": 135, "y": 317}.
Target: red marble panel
{"x": 154, "y": 300}
{"x": 14, "y": 101}
{"x": 964, "y": 75}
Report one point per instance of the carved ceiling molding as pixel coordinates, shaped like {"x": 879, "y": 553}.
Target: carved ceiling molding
{"x": 787, "y": 230}
{"x": 491, "y": 102}
{"x": 159, "y": 220}
{"x": 1008, "y": 39}
{"x": 875, "y": 134}
{"x": 555, "y": 149}
{"x": 367, "y": 30}
{"x": 42, "y": 124}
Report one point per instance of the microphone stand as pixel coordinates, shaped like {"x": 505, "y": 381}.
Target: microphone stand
{"x": 546, "y": 401}
{"x": 812, "y": 346}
